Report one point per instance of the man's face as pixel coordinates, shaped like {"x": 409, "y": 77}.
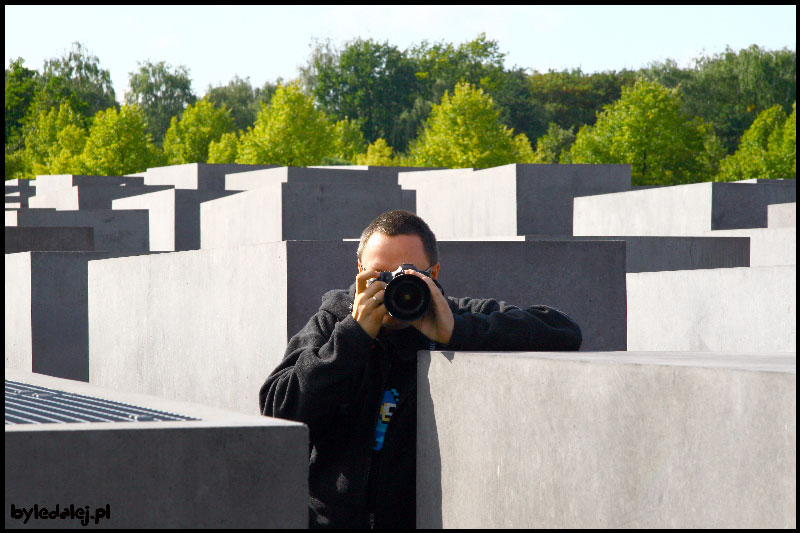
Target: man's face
{"x": 384, "y": 254}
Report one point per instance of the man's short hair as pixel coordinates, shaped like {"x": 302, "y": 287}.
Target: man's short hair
{"x": 401, "y": 222}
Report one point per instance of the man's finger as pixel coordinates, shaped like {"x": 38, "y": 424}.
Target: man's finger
{"x": 362, "y": 278}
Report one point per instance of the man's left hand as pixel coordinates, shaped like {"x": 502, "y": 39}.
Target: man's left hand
{"x": 437, "y": 324}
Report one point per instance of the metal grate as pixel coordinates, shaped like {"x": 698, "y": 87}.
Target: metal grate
{"x": 31, "y": 404}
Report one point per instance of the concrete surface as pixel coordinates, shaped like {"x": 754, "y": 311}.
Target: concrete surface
{"x": 681, "y": 209}
{"x": 782, "y": 215}
{"x": 226, "y": 470}
{"x": 606, "y": 440}
{"x": 768, "y": 246}
{"x": 243, "y": 181}
{"x": 89, "y": 196}
{"x": 46, "y": 312}
{"x": 52, "y": 182}
{"x": 174, "y": 216}
{"x": 509, "y": 200}
{"x": 295, "y": 211}
{"x": 224, "y": 315}
{"x": 731, "y": 309}
{"x": 48, "y": 239}
{"x": 197, "y": 176}
{"x": 18, "y": 191}
{"x": 114, "y": 231}
{"x": 655, "y": 254}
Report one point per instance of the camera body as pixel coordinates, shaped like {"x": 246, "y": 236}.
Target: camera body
{"x": 406, "y": 297}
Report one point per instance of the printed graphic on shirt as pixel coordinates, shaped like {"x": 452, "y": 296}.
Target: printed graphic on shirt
{"x": 388, "y": 405}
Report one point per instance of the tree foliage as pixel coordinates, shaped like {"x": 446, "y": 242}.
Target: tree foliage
{"x": 119, "y": 143}
{"x": 161, "y": 93}
{"x": 465, "y": 131}
{"x": 649, "y": 129}
{"x": 768, "y": 149}
{"x": 378, "y": 154}
{"x": 288, "y": 131}
{"x": 187, "y": 140}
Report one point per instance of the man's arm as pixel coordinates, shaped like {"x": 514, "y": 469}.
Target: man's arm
{"x": 320, "y": 371}
{"x": 492, "y": 325}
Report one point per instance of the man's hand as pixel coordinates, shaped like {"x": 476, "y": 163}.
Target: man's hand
{"x": 437, "y": 324}
{"x": 368, "y": 308}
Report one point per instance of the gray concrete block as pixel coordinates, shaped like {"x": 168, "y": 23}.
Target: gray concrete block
{"x": 48, "y": 239}
{"x": 47, "y": 183}
{"x": 46, "y": 304}
{"x": 90, "y": 196}
{"x": 511, "y": 199}
{"x": 174, "y": 216}
{"x": 682, "y": 209}
{"x": 655, "y": 254}
{"x": 768, "y": 246}
{"x": 223, "y": 470}
{"x": 225, "y": 315}
{"x": 18, "y": 192}
{"x": 296, "y": 211}
{"x": 782, "y": 215}
{"x": 606, "y": 440}
{"x": 753, "y": 309}
{"x": 244, "y": 181}
{"x": 114, "y": 231}
{"x": 198, "y": 176}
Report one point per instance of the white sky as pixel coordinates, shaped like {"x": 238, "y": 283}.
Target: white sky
{"x": 266, "y": 42}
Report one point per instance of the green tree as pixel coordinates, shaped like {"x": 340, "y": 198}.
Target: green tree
{"x": 767, "y": 149}
{"x": 188, "y": 138}
{"x": 572, "y": 98}
{"x": 225, "y": 150}
{"x": 161, "y": 93}
{"x": 348, "y": 140}
{"x": 22, "y": 85}
{"x": 649, "y": 129}
{"x": 730, "y": 89}
{"x": 367, "y": 81}
{"x": 54, "y": 140}
{"x": 465, "y": 130}
{"x": 289, "y": 131}
{"x": 554, "y": 146}
{"x": 78, "y": 74}
{"x": 378, "y": 154}
{"x": 119, "y": 143}
{"x": 243, "y": 101}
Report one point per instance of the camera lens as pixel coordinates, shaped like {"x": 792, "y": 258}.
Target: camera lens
{"x": 407, "y": 297}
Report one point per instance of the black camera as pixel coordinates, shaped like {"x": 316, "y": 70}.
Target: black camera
{"x": 406, "y": 297}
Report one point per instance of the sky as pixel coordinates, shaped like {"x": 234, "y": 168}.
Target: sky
{"x": 265, "y": 43}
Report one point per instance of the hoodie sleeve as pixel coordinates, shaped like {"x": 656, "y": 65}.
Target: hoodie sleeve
{"x": 319, "y": 371}
{"x": 483, "y": 325}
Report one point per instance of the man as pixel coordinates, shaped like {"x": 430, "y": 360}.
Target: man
{"x": 350, "y": 375}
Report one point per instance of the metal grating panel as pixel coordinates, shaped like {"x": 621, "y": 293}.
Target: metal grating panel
{"x": 31, "y": 404}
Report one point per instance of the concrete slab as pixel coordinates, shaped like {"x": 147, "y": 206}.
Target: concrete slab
{"x": 90, "y": 196}
{"x": 46, "y": 312}
{"x": 48, "y": 239}
{"x": 225, "y": 315}
{"x": 174, "y": 216}
{"x": 47, "y": 183}
{"x": 197, "y": 176}
{"x": 782, "y": 215}
{"x": 768, "y": 246}
{"x": 18, "y": 192}
{"x": 244, "y": 181}
{"x": 223, "y": 470}
{"x": 114, "y": 231}
{"x": 753, "y": 309}
{"x": 296, "y": 211}
{"x": 682, "y": 209}
{"x": 656, "y": 254}
{"x": 606, "y": 440}
{"x": 511, "y": 199}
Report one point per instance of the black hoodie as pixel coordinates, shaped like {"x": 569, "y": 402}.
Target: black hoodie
{"x": 358, "y": 398}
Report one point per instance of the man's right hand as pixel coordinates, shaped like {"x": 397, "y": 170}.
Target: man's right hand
{"x": 368, "y": 308}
